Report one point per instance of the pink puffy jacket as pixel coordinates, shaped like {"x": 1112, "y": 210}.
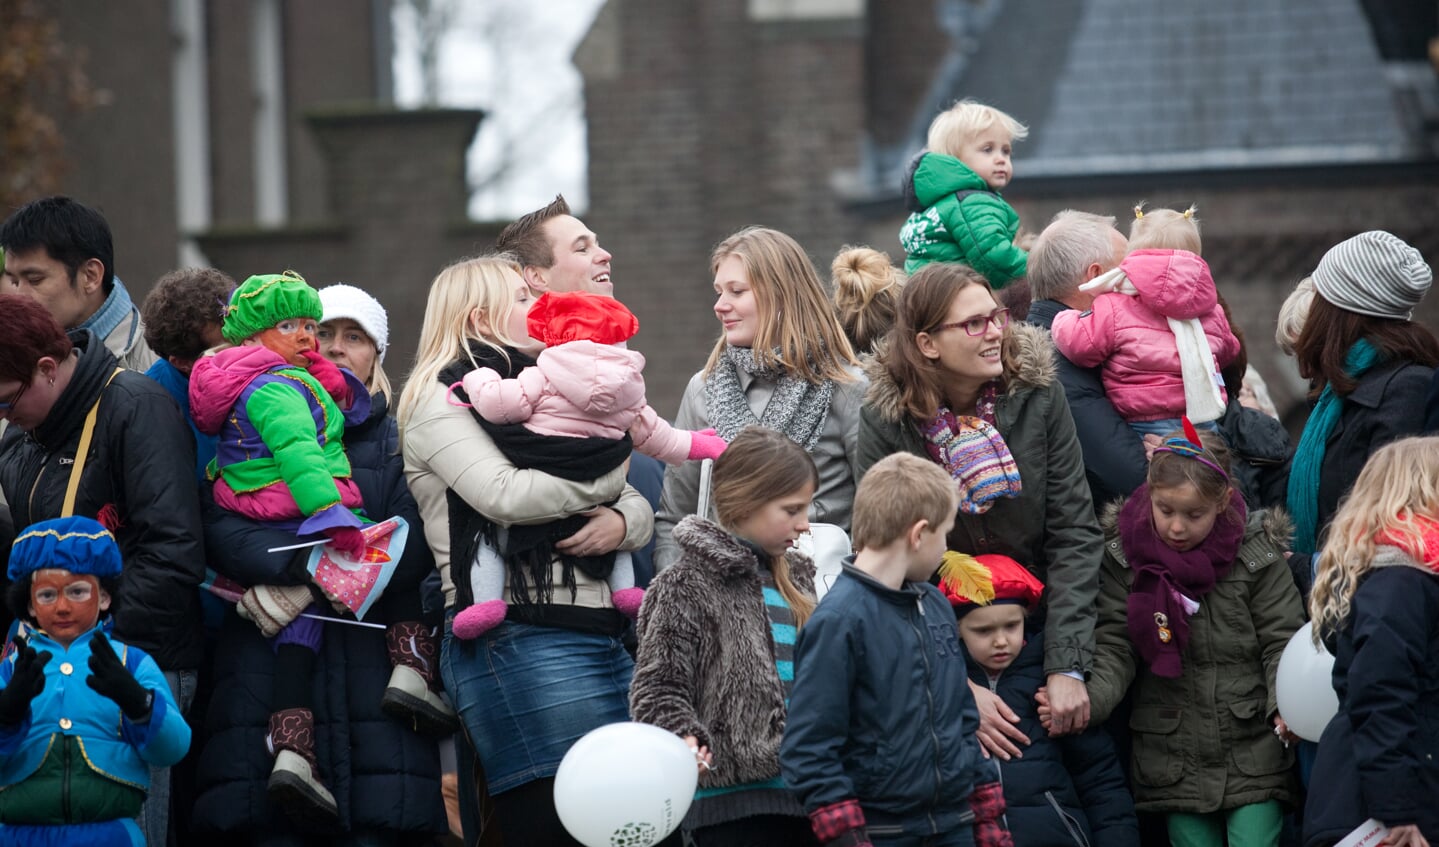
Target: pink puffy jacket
{"x": 580, "y": 389}
{"x": 1130, "y": 336}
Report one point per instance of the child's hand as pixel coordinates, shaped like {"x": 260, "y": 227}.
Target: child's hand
{"x": 348, "y": 540}
{"x": 329, "y": 376}
{"x": 704, "y": 444}
{"x": 110, "y": 678}
{"x": 1281, "y": 729}
{"x": 1405, "y": 836}
{"x": 997, "y": 730}
{"x": 1151, "y": 442}
{"x": 26, "y": 682}
{"x": 704, "y": 760}
{"x": 1068, "y": 704}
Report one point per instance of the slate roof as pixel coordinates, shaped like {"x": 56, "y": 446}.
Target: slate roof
{"x": 1134, "y": 86}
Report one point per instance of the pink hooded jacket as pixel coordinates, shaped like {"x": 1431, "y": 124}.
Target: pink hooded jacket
{"x": 1130, "y": 336}
{"x": 580, "y": 389}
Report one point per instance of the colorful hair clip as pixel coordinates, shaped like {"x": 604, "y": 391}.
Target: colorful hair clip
{"x": 1139, "y": 211}
{"x": 1190, "y": 447}
{"x": 1189, "y": 213}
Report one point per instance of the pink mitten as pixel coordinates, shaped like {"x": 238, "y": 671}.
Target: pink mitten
{"x": 628, "y": 600}
{"x": 328, "y": 373}
{"x": 348, "y": 540}
{"x": 704, "y": 444}
{"x": 478, "y": 619}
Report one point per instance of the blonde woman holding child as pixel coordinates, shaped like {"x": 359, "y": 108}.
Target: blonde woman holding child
{"x": 1375, "y": 606}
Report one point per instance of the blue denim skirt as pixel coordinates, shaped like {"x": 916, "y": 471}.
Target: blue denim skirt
{"x": 526, "y": 693}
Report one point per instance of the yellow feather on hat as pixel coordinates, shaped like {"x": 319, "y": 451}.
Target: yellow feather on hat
{"x": 961, "y": 575}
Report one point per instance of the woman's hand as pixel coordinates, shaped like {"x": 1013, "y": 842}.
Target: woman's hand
{"x": 1405, "y": 836}
{"x": 704, "y": 759}
{"x": 602, "y": 533}
{"x": 1068, "y": 704}
{"x": 997, "y": 725}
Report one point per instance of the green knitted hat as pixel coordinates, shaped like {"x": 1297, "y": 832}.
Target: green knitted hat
{"x": 263, "y": 301}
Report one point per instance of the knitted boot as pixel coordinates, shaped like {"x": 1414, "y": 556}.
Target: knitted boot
{"x": 413, "y": 695}
{"x": 295, "y": 779}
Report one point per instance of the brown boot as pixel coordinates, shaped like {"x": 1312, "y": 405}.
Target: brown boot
{"x": 295, "y": 779}
{"x": 413, "y": 694}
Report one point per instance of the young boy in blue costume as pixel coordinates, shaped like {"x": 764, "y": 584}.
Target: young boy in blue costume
{"x": 880, "y": 744}
{"x": 75, "y": 758}
{"x": 1062, "y": 791}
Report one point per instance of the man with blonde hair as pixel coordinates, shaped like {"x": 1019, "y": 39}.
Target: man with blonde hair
{"x": 1075, "y": 248}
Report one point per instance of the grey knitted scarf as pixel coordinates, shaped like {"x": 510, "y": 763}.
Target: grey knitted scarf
{"x": 798, "y": 408}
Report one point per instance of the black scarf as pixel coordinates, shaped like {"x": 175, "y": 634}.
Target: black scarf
{"x": 528, "y": 551}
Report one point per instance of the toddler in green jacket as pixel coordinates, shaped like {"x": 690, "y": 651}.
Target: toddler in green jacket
{"x": 952, "y": 189}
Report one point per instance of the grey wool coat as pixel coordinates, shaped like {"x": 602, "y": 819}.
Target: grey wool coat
{"x": 706, "y": 663}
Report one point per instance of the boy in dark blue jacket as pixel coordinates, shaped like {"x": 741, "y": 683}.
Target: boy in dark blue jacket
{"x": 880, "y": 745}
{"x": 1063, "y": 791}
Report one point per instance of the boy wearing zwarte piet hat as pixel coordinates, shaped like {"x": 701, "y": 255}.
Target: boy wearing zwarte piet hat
{"x": 1065, "y": 790}
{"x": 98, "y": 739}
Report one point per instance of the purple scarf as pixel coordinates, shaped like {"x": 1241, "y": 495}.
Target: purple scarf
{"x": 1158, "y": 621}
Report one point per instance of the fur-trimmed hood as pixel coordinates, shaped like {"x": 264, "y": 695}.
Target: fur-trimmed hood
{"x": 1028, "y": 354}
{"x": 732, "y": 559}
{"x": 1272, "y": 528}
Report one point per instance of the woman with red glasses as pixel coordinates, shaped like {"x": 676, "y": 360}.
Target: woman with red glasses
{"x": 959, "y": 384}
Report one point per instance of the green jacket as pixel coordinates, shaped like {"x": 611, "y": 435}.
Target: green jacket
{"x": 1205, "y": 741}
{"x": 976, "y": 229}
{"x": 1050, "y": 527}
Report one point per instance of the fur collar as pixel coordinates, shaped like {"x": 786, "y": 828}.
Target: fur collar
{"x": 1270, "y": 528}
{"x": 1029, "y": 363}
{"x": 729, "y": 558}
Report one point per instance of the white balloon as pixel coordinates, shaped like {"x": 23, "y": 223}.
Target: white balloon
{"x": 1304, "y": 686}
{"x": 625, "y": 785}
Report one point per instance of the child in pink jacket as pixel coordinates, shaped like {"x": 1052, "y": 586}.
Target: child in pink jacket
{"x": 585, "y": 384}
{"x": 1156, "y": 328}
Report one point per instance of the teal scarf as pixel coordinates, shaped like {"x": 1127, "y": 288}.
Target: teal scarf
{"x": 1303, "y": 495}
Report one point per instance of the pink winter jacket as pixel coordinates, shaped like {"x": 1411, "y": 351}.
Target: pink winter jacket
{"x": 580, "y": 389}
{"x": 1130, "y": 336}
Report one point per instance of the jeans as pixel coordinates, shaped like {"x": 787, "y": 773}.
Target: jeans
{"x": 1167, "y": 426}
{"x": 526, "y": 693}
{"x": 155, "y": 814}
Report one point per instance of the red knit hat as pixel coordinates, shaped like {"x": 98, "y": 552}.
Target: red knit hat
{"x": 558, "y": 317}
{"x": 973, "y": 581}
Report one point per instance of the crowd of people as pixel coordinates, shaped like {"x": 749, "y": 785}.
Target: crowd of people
{"x": 1081, "y": 540}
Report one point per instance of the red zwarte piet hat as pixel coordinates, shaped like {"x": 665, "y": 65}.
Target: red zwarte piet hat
{"x": 558, "y": 317}
{"x": 973, "y": 581}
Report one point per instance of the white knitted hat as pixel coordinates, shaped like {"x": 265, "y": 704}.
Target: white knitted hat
{"x": 1374, "y": 273}
{"x": 347, "y": 301}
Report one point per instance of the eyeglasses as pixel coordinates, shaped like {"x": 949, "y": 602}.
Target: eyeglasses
{"x": 75, "y": 592}
{"x": 977, "y": 326}
{"x": 10, "y": 404}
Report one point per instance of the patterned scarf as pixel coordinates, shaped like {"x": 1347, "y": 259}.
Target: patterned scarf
{"x": 1303, "y": 494}
{"x": 974, "y": 453}
{"x": 1168, "y": 584}
{"x": 798, "y": 408}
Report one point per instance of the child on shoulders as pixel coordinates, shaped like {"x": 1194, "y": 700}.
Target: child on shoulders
{"x": 881, "y": 743}
{"x": 952, "y": 190}
{"x": 1063, "y": 791}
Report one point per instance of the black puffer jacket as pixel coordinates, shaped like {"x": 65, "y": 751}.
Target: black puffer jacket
{"x": 385, "y": 778}
{"x": 139, "y": 480}
{"x": 1064, "y": 791}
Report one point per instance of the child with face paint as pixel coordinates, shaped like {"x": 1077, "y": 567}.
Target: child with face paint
{"x": 98, "y": 739}
{"x": 280, "y": 409}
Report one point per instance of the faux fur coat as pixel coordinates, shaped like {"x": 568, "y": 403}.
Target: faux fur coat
{"x": 706, "y": 663}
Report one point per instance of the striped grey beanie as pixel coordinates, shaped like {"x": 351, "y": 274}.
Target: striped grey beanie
{"x": 1374, "y": 273}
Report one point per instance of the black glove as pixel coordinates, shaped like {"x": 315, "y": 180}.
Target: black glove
{"x": 110, "y": 678}
{"x": 27, "y": 682}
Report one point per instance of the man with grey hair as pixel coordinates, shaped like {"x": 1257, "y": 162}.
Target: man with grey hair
{"x": 1075, "y": 248}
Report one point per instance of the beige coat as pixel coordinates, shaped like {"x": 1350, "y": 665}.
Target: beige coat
{"x": 445, "y": 448}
